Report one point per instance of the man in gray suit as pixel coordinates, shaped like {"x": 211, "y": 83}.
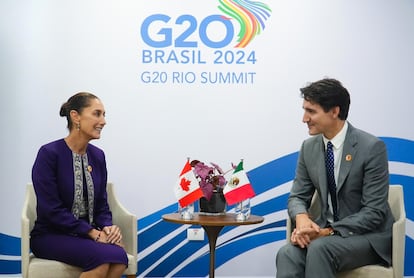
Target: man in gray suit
{"x": 354, "y": 227}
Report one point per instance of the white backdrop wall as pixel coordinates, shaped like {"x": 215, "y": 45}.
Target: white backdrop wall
{"x": 50, "y": 50}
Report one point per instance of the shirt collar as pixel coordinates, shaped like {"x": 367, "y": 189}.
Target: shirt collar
{"x": 339, "y": 138}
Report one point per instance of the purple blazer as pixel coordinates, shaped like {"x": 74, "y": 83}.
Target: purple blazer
{"x": 53, "y": 181}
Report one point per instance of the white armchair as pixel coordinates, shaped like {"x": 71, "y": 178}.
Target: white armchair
{"x": 396, "y": 202}
{"x": 33, "y": 267}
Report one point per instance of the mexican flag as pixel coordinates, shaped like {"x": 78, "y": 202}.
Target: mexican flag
{"x": 187, "y": 190}
{"x": 238, "y": 188}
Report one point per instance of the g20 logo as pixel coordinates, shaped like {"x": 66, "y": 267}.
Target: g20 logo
{"x": 251, "y": 16}
{"x": 163, "y": 37}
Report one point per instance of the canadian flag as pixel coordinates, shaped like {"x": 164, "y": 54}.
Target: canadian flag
{"x": 187, "y": 189}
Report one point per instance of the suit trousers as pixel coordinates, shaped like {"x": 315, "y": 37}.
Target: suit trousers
{"x": 324, "y": 257}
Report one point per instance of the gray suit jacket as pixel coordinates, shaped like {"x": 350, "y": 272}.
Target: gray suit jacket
{"x": 362, "y": 189}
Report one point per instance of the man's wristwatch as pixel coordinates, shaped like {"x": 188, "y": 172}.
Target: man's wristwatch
{"x": 331, "y": 231}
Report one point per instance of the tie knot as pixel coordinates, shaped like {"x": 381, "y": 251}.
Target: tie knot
{"x": 330, "y": 145}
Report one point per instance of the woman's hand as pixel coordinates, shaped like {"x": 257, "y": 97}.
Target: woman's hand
{"x": 113, "y": 234}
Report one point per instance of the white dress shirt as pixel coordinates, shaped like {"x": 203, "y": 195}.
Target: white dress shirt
{"x": 338, "y": 146}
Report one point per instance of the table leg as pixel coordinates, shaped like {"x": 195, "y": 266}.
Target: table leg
{"x": 212, "y": 234}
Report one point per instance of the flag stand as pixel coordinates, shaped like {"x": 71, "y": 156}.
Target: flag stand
{"x": 187, "y": 212}
{"x": 242, "y": 210}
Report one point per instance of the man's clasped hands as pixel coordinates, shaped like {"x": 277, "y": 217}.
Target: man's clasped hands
{"x": 306, "y": 230}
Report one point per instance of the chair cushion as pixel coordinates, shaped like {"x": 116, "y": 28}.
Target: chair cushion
{"x": 368, "y": 271}
{"x": 42, "y": 268}
{"x": 132, "y": 266}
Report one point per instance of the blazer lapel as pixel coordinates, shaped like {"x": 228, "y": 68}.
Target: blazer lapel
{"x": 348, "y": 154}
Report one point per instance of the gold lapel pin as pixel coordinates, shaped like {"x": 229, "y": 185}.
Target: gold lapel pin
{"x": 89, "y": 168}
{"x": 348, "y": 157}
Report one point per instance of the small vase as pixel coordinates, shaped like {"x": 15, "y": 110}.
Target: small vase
{"x": 215, "y": 206}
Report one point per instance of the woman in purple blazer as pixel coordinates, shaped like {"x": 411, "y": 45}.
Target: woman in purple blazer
{"x": 74, "y": 223}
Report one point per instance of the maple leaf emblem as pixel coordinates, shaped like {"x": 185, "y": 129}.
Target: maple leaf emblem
{"x": 185, "y": 184}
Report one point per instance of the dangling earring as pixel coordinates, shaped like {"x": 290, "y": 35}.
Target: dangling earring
{"x": 78, "y": 126}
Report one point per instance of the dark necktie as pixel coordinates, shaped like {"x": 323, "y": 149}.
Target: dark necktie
{"x": 329, "y": 163}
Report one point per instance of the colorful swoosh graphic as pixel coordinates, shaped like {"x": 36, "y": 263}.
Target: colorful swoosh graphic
{"x": 251, "y": 16}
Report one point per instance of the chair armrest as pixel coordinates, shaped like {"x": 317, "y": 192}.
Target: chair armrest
{"x": 288, "y": 229}
{"x": 128, "y": 225}
{"x": 125, "y": 220}
{"x": 398, "y": 243}
{"x": 25, "y": 237}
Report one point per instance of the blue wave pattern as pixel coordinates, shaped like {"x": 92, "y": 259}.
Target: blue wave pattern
{"x": 160, "y": 258}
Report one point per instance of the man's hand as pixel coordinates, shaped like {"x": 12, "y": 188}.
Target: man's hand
{"x": 306, "y": 230}
{"x": 304, "y": 236}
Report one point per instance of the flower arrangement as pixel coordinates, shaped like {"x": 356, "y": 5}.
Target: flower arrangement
{"x": 210, "y": 177}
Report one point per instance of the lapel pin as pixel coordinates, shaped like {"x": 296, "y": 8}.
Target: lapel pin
{"x": 348, "y": 157}
{"x": 89, "y": 168}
